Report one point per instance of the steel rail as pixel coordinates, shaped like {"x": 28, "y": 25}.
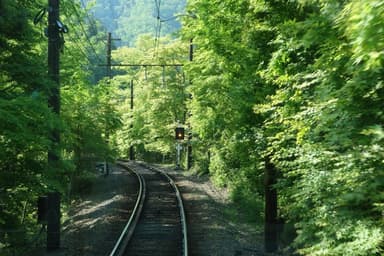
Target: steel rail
{"x": 127, "y": 232}
{"x": 181, "y": 208}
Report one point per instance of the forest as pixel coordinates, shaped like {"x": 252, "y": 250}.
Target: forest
{"x": 129, "y": 19}
{"x": 287, "y": 90}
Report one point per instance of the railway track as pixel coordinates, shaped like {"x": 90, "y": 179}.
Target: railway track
{"x": 157, "y": 225}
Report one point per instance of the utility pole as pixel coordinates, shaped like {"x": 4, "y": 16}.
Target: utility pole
{"x": 191, "y": 50}
{"x": 109, "y": 74}
{"x": 53, "y": 73}
{"x": 131, "y": 150}
{"x": 109, "y": 53}
{"x": 189, "y": 142}
{"x": 270, "y": 225}
{"x": 54, "y": 45}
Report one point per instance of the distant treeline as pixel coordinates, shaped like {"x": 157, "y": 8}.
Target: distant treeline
{"x": 128, "y": 19}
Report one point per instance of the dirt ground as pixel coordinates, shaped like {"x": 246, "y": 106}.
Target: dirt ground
{"x": 96, "y": 219}
{"x": 212, "y": 232}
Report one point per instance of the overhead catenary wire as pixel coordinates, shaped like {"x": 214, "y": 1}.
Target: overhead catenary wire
{"x": 158, "y": 3}
{"x": 77, "y": 40}
{"x": 157, "y": 27}
{"x": 85, "y": 33}
{"x": 80, "y": 47}
{"x": 91, "y": 20}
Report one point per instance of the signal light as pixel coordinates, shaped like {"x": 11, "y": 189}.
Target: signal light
{"x": 179, "y": 133}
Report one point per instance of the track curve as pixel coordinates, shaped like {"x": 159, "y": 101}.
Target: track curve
{"x": 158, "y": 224}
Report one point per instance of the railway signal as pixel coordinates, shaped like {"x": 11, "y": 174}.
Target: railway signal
{"x": 179, "y": 133}
{"x": 179, "y": 136}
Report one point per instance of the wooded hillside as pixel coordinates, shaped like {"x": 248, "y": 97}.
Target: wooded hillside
{"x": 128, "y": 19}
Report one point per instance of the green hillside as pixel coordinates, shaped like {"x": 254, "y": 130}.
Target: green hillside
{"x": 128, "y": 19}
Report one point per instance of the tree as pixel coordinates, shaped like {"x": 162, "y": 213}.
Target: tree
{"x": 159, "y": 97}
{"x": 25, "y": 121}
{"x": 129, "y": 19}
{"x": 310, "y": 71}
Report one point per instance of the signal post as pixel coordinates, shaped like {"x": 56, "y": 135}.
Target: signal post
{"x": 179, "y": 136}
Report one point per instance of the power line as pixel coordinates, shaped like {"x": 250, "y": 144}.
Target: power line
{"x": 159, "y": 21}
{"x": 157, "y": 3}
{"x": 157, "y": 27}
{"x": 157, "y": 38}
{"x": 85, "y": 33}
{"x": 77, "y": 40}
{"x": 91, "y": 20}
{"x": 81, "y": 48}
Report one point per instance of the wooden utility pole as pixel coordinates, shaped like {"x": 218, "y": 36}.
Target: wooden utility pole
{"x": 270, "y": 226}
{"x": 109, "y": 54}
{"x": 191, "y": 50}
{"x": 53, "y": 73}
{"x": 189, "y": 142}
{"x": 131, "y": 150}
{"x": 109, "y": 74}
{"x": 189, "y": 148}
{"x": 54, "y": 45}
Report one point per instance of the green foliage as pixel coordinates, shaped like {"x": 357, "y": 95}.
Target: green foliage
{"x": 130, "y": 19}
{"x": 83, "y": 183}
{"x": 315, "y": 134}
{"x": 297, "y": 82}
{"x": 26, "y": 121}
{"x": 84, "y": 44}
{"x": 88, "y": 100}
{"x": 159, "y": 98}
{"x": 91, "y": 117}
{"x": 311, "y": 71}
{"x": 225, "y": 87}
